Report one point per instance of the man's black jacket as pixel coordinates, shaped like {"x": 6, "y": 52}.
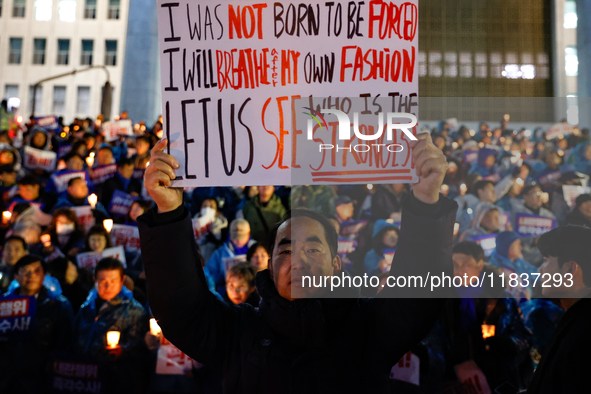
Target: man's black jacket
{"x": 304, "y": 346}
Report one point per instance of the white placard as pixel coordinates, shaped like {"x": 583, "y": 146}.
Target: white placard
{"x": 113, "y": 130}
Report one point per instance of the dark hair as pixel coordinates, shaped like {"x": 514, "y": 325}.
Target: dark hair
{"x": 20, "y": 207}
{"x": 105, "y": 147}
{"x": 125, "y": 161}
{"x": 569, "y": 243}
{"x": 470, "y": 248}
{"x": 71, "y": 155}
{"x": 107, "y": 264}
{"x": 7, "y": 168}
{"x": 146, "y": 205}
{"x": 16, "y": 238}
{"x": 529, "y": 188}
{"x": 329, "y": 230}
{"x": 27, "y": 260}
{"x": 211, "y": 199}
{"x": 243, "y": 271}
{"x": 254, "y": 248}
{"x": 28, "y": 179}
{"x": 482, "y": 184}
{"x": 144, "y": 138}
{"x": 57, "y": 268}
{"x": 71, "y": 181}
{"x": 67, "y": 212}
{"x": 97, "y": 229}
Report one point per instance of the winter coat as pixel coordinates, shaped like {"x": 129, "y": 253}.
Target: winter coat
{"x": 578, "y": 158}
{"x": 345, "y": 345}
{"x": 384, "y": 202}
{"x": 475, "y": 229}
{"x": 577, "y": 218}
{"x": 116, "y": 183}
{"x": 531, "y": 253}
{"x": 263, "y": 218}
{"x": 216, "y": 267}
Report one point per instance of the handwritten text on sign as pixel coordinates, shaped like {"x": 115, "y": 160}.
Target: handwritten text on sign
{"x": 233, "y": 71}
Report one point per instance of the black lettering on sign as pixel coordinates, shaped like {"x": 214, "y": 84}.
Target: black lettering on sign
{"x": 185, "y": 134}
{"x": 172, "y": 37}
{"x": 171, "y": 87}
{"x": 204, "y": 102}
{"x": 230, "y": 171}
{"x": 250, "y": 140}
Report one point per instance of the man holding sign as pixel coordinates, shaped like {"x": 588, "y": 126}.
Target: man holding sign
{"x": 291, "y": 343}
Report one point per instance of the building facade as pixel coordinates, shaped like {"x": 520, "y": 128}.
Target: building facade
{"x": 40, "y": 39}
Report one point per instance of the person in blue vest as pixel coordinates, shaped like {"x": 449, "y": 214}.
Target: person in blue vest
{"x": 111, "y": 307}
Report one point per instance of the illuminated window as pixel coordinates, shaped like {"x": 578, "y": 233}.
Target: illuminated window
{"x": 466, "y": 65}
{"x": 43, "y": 10}
{"x": 570, "y": 14}
{"x": 511, "y": 71}
{"x": 422, "y": 64}
{"x": 571, "y": 62}
{"x": 480, "y": 68}
{"x": 39, "y": 50}
{"x": 527, "y": 58}
{"x": 63, "y": 51}
{"x": 528, "y": 71}
{"x": 451, "y": 65}
{"x": 435, "y": 69}
{"x": 67, "y": 10}
{"x": 18, "y": 8}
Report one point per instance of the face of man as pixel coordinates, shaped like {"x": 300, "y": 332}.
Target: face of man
{"x": 29, "y": 192}
{"x": 301, "y": 250}
{"x": 553, "y": 160}
{"x": 490, "y": 161}
{"x": 533, "y": 199}
{"x": 30, "y": 278}
{"x": 142, "y": 147}
{"x": 266, "y": 192}
{"x": 109, "y": 283}
{"x": 78, "y": 188}
{"x": 239, "y": 233}
{"x": 345, "y": 211}
{"x": 487, "y": 194}
{"x": 238, "y": 289}
{"x": 12, "y": 252}
{"x": 75, "y": 164}
{"x": 550, "y": 266}
{"x": 465, "y": 264}
{"x": 490, "y": 221}
{"x": 104, "y": 157}
{"x": 126, "y": 171}
{"x": 585, "y": 208}
{"x": 515, "y": 250}
{"x": 260, "y": 259}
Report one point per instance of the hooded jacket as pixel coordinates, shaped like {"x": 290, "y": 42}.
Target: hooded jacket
{"x": 303, "y": 346}
{"x": 578, "y": 158}
{"x": 475, "y": 228}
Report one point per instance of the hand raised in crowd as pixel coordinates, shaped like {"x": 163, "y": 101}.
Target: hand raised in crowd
{"x": 431, "y": 166}
{"x": 158, "y": 179}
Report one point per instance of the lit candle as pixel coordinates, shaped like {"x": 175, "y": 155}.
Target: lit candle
{"x": 90, "y": 161}
{"x": 488, "y": 330}
{"x": 545, "y": 198}
{"x": 454, "y": 145}
{"x": 147, "y": 164}
{"x": 444, "y": 189}
{"x": 519, "y": 181}
{"x": 46, "y": 239}
{"x": 108, "y": 224}
{"x": 481, "y": 145}
{"x": 154, "y": 327}
{"x": 92, "y": 154}
{"x": 463, "y": 189}
{"x": 456, "y": 228}
{"x": 92, "y": 200}
{"x": 472, "y": 133}
{"x": 113, "y": 339}
{"x": 369, "y": 186}
{"x": 6, "y": 215}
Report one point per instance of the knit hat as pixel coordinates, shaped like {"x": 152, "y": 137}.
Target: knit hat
{"x": 504, "y": 241}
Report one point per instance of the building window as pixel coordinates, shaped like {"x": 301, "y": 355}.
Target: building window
{"x": 570, "y": 14}
{"x": 110, "y": 52}
{"x": 422, "y": 64}
{"x": 528, "y": 71}
{"x": 83, "y": 103}
{"x": 451, "y": 65}
{"x": 16, "y": 50}
{"x": 543, "y": 70}
{"x": 113, "y": 9}
{"x": 67, "y": 10}
{"x": 63, "y": 51}
{"x": 86, "y": 57}
{"x": 571, "y": 63}
{"x": 18, "y": 8}
{"x": 10, "y": 91}
{"x": 435, "y": 69}
{"x": 43, "y": 10}
{"x": 466, "y": 65}
{"x": 59, "y": 100}
{"x": 480, "y": 65}
{"x": 0, "y": 7}
{"x": 90, "y": 9}
{"x": 37, "y": 97}
{"x": 39, "y": 51}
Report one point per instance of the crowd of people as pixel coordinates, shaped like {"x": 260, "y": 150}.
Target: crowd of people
{"x": 511, "y": 187}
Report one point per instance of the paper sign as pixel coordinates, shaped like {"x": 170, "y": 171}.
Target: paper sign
{"x": 85, "y": 217}
{"x": 48, "y": 122}
{"x": 533, "y": 225}
{"x": 88, "y": 260}
{"x": 126, "y": 236}
{"x": 138, "y": 173}
{"x": 559, "y": 129}
{"x": 16, "y": 314}
{"x": 346, "y": 246}
{"x": 389, "y": 257}
{"x": 352, "y": 229}
{"x": 61, "y": 179}
{"x": 407, "y": 369}
{"x": 471, "y": 378}
{"x": 488, "y": 242}
{"x": 470, "y": 156}
{"x": 69, "y": 377}
{"x": 64, "y": 150}
{"x": 202, "y": 226}
{"x": 100, "y": 174}
{"x": 171, "y": 361}
{"x": 113, "y": 130}
{"x": 228, "y": 262}
{"x": 571, "y": 193}
{"x": 120, "y": 203}
{"x": 37, "y": 158}
{"x": 550, "y": 178}
{"x": 232, "y": 73}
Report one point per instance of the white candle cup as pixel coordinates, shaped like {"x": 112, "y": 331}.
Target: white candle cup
{"x": 92, "y": 200}
{"x": 108, "y": 224}
{"x": 113, "y": 339}
{"x": 154, "y": 327}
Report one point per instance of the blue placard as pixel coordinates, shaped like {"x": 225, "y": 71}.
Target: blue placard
{"x": 120, "y": 203}
{"x": 47, "y": 122}
{"x": 488, "y": 242}
{"x": 533, "y": 225}
{"x": 16, "y": 314}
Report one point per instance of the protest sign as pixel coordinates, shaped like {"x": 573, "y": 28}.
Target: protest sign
{"x": 407, "y": 369}
{"x": 503, "y": 220}
{"x": 533, "y": 225}
{"x": 171, "y": 361}
{"x": 488, "y": 242}
{"x": 470, "y": 156}
{"x": 88, "y": 260}
{"x": 126, "y": 236}
{"x": 228, "y": 262}
{"x": 120, "y": 203}
{"x": 571, "y": 193}
{"x": 64, "y": 149}
{"x": 346, "y": 246}
{"x": 16, "y": 314}
{"x": 37, "y": 158}
{"x": 100, "y": 174}
{"x": 352, "y": 229}
{"x": 48, "y": 122}
{"x": 85, "y": 217}
{"x": 202, "y": 226}
{"x": 559, "y": 129}
{"x": 549, "y": 179}
{"x": 72, "y": 376}
{"x": 113, "y": 130}
{"x": 232, "y": 73}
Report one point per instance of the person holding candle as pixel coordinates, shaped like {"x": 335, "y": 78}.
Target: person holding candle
{"x": 111, "y": 307}
{"x": 24, "y": 359}
{"x": 76, "y": 195}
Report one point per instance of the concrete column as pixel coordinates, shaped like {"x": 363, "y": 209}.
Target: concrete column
{"x": 140, "y": 90}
